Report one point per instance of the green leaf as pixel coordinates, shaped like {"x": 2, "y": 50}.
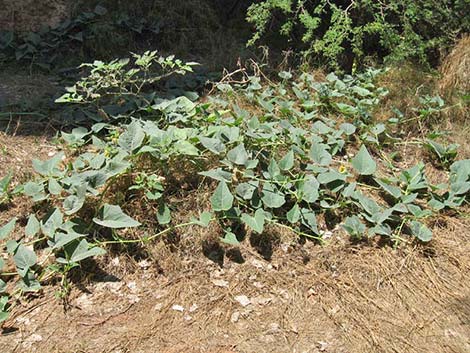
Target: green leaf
{"x": 111, "y": 216}
{"x": 287, "y": 162}
{"x": 163, "y": 214}
{"x": 35, "y": 191}
{"x": 4, "y": 184}
{"x": 331, "y": 176}
{"x": 6, "y": 230}
{"x": 273, "y": 169}
{"x": 256, "y": 223}
{"x": 132, "y": 138}
{"x": 62, "y": 239}
{"x": 55, "y": 220}
{"x": 49, "y": 167}
{"x": 391, "y": 189}
{"x": 204, "y": 219}
{"x": 246, "y": 190}
{"x": 354, "y": 226}
{"x": 222, "y": 199}
{"x": 79, "y": 251}
{"x": 309, "y": 219}
{"x": 230, "y": 238}
{"x": 309, "y": 189}
{"x": 271, "y": 196}
{"x": 293, "y": 215}
{"x": 33, "y": 226}
{"x": 363, "y": 162}
{"x": 73, "y": 204}
{"x": 319, "y": 154}
{"x": 29, "y": 283}
{"x": 3, "y": 287}
{"x": 238, "y": 155}
{"x": 3, "y": 308}
{"x": 218, "y": 174}
{"x": 24, "y": 259}
{"x": 185, "y": 148}
{"x": 420, "y": 231}
{"x": 54, "y": 187}
{"x": 348, "y": 129}
{"x": 214, "y": 145}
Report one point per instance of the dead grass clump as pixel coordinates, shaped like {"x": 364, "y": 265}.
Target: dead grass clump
{"x": 455, "y": 69}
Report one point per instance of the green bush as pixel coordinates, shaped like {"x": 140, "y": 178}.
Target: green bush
{"x": 345, "y": 33}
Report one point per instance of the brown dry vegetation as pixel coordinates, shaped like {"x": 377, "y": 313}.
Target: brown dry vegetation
{"x": 455, "y": 69}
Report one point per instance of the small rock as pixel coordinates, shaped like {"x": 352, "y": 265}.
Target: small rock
{"x": 32, "y": 339}
{"x": 262, "y": 300}
{"x": 274, "y": 328}
{"x": 178, "y": 308}
{"x": 188, "y": 317}
{"x": 158, "y": 307}
{"x": 235, "y": 317}
{"x": 115, "y": 262}
{"x": 285, "y": 247}
{"x": 23, "y": 320}
{"x": 144, "y": 264}
{"x": 133, "y": 298}
{"x": 257, "y": 263}
{"x": 322, "y": 346}
{"x": 220, "y": 283}
{"x": 115, "y": 287}
{"x": 132, "y": 287}
{"x": 193, "y": 308}
{"x": 243, "y": 300}
{"x": 84, "y": 301}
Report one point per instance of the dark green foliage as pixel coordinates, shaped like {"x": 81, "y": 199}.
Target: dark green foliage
{"x": 344, "y": 33}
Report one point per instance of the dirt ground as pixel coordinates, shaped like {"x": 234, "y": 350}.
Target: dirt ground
{"x": 189, "y": 294}
{"x": 31, "y": 15}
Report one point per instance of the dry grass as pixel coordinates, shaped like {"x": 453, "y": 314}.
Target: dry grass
{"x": 455, "y": 69}
{"x": 339, "y": 298}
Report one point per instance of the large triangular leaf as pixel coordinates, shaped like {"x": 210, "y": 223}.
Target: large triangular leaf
{"x": 363, "y": 162}
{"x": 272, "y": 197}
{"x": 319, "y": 154}
{"x": 238, "y": 155}
{"x": 24, "y": 259}
{"x": 112, "y": 216}
{"x": 49, "y": 167}
{"x": 420, "y": 231}
{"x": 257, "y": 222}
{"x": 214, "y": 145}
{"x": 293, "y": 215}
{"x": 222, "y": 199}
{"x": 287, "y": 162}
{"x": 132, "y": 138}
{"x": 6, "y": 230}
{"x": 33, "y": 226}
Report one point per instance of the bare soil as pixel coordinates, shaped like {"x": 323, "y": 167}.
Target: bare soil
{"x": 31, "y": 15}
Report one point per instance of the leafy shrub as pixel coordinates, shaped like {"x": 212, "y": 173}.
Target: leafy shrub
{"x": 338, "y": 32}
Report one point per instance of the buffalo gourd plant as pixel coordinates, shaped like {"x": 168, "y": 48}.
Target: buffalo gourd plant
{"x": 309, "y": 152}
